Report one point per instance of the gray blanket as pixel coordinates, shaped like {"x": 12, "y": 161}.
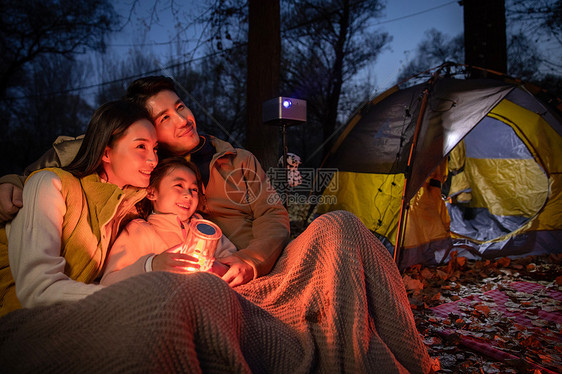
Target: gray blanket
{"x": 333, "y": 303}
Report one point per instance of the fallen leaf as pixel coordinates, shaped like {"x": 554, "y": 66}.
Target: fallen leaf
{"x": 435, "y": 364}
{"x": 412, "y": 284}
{"x": 436, "y": 297}
{"x": 503, "y": 262}
{"x": 442, "y": 275}
{"x": 483, "y": 309}
{"x": 426, "y": 273}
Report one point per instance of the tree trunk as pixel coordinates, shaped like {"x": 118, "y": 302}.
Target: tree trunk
{"x": 264, "y": 55}
{"x": 484, "y": 36}
{"x": 336, "y": 79}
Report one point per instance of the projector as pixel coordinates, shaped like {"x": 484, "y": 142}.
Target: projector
{"x": 284, "y": 111}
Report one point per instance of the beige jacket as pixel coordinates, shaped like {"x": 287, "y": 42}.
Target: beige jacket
{"x": 242, "y": 202}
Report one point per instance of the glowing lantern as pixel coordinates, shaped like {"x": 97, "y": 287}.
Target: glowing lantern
{"x": 201, "y": 242}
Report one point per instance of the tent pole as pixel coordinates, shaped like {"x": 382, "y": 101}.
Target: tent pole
{"x": 405, "y": 204}
{"x": 284, "y": 166}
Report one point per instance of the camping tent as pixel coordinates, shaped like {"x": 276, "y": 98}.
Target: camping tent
{"x": 491, "y": 147}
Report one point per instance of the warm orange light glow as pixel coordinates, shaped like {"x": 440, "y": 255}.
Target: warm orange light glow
{"x": 201, "y": 243}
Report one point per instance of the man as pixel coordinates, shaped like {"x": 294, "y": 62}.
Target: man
{"x": 239, "y": 197}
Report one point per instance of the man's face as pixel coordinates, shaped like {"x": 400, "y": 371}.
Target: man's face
{"x": 174, "y": 122}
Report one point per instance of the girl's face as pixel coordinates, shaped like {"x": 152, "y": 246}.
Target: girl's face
{"x": 133, "y": 157}
{"x": 176, "y": 193}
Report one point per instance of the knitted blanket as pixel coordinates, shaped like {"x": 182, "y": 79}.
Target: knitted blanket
{"x": 334, "y": 302}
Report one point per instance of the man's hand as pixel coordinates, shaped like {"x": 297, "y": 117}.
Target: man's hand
{"x": 239, "y": 272}
{"x": 10, "y": 201}
{"x": 218, "y": 268}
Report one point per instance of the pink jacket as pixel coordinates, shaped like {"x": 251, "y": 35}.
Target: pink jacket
{"x": 140, "y": 239}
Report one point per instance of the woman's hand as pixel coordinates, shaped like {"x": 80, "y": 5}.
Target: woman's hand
{"x": 174, "y": 262}
{"x": 239, "y": 272}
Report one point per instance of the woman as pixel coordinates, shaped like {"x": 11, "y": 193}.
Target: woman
{"x": 58, "y": 242}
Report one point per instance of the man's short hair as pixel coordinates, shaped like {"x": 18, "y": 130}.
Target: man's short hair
{"x": 144, "y": 88}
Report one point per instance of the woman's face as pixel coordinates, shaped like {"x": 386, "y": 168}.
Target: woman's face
{"x": 133, "y": 157}
{"x": 176, "y": 193}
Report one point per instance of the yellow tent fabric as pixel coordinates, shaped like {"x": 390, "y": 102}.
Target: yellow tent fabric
{"x": 373, "y": 198}
{"x": 546, "y": 146}
{"x": 428, "y": 219}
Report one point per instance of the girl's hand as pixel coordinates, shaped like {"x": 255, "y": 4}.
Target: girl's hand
{"x": 175, "y": 263}
{"x": 239, "y": 272}
{"x": 176, "y": 248}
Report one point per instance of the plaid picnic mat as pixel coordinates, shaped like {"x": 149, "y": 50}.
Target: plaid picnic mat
{"x": 514, "y": 302}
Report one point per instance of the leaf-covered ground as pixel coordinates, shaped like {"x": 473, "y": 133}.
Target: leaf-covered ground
{"x": 460, "y": 278}
{"x": 539, "y": 344}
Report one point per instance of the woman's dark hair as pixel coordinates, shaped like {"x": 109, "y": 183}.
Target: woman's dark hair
{"x": 165, "y": 167}
{"x": 144, "y": 88}
{"x": 107, "y": 125}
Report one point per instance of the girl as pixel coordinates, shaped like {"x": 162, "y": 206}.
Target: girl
{"x": 59, "y": 240}
{"x": 174, "y": 194}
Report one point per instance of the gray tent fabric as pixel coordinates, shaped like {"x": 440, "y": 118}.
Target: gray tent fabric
{"x": 371, "y": 145}
{"x": 334, "y": 302}
{"x": 462, "y": 103}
